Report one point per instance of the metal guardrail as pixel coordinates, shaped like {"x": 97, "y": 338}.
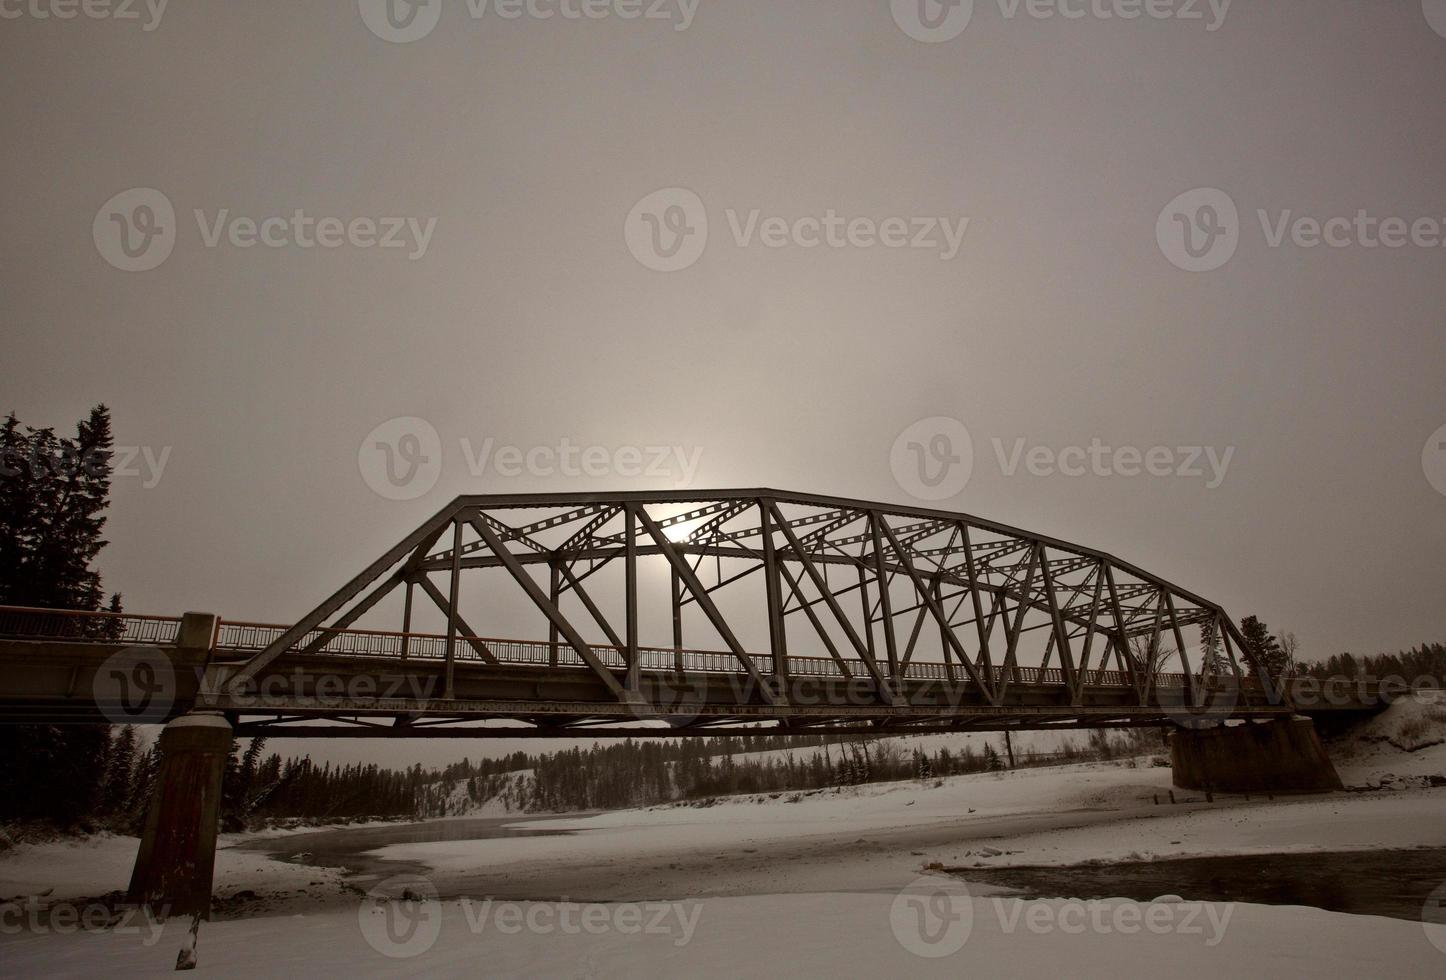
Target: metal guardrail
{"x": 21, "y": 622}
{"x": 242, "y": 637}
{"x": 78, "y": 626}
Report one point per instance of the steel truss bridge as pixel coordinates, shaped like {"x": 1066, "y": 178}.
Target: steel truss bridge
{"x": 784, "y": 612}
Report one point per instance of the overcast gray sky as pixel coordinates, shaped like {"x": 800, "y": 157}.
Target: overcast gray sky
{"x": 524, "y": 158}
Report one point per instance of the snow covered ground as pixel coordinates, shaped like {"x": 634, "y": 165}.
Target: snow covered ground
{"x": 95, "y": 866}
{"x": 833, "y": 883}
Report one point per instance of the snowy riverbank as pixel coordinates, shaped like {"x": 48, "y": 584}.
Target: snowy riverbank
{"x": 750, "y": 886}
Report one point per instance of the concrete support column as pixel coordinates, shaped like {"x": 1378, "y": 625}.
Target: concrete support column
{"x": 177, "y": 859}
{"x": 1283, "y": 756}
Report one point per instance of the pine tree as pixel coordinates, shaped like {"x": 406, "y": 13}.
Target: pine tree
{"x": 1268, "y": 655}
{"x": 119, "y": 773}
{"x": 53, "y": 492}
{"x": 1214, "y": 663}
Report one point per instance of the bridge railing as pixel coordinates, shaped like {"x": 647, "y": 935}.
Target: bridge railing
{"x": 241, "y": 637}
{"x": 80, "y": 626}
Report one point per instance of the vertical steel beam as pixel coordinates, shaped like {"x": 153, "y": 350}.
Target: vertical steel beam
{"x": 1180, "y": 646}
{"x": 677, "y": 620}
{"x": 469, "y": 634}
{"x": 868, "y": 612}
{"x": 818, "y": 627}
{"x": 705, "y": 602}
{"x": 944, "y": 635}
{"x": 630, "y": 588}
{"x": 797, "y": 549}
{"x": 554, "y": 594}
{"x": 407, "y": 621}
{"x": 928, "y": 598}
{"x": 456, "y": 582}
{"x": 1094, "y": 622}
{"x": 776, "y": 640}
{"x": 1061, "y": 635}
{"x": 1122, "y": 640}
{"x": 979, "y": 624}
{"x": 886, "y": 609}
{"x": 1013, "y": 635}
{"x": 549, "y": 609}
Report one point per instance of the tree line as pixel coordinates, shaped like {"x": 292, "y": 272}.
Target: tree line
{"x": 54, "y": 491}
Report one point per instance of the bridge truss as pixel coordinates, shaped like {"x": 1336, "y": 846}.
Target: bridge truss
{"x": 816, "y": 611}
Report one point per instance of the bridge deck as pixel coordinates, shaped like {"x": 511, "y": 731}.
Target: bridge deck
{"x": 63, "y": 667}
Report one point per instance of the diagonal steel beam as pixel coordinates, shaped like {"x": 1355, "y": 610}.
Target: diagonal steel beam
{"x": 543, "y": 603}
{"x": 800, "y": 554}
{"x": 468, "y": 633}
{"x": 927, "y": 595}
{"x": 705, "y": 602}
{"x": 427, "y": 532}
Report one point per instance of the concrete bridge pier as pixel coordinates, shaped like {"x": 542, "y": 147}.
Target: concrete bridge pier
{"x": 175, "y": 865}
{"x": 1283, "y": 756}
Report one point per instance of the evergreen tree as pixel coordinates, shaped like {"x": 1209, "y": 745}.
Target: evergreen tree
{"x": 1214, "y": 662}
{"x": 1268, "y": 655}
{"x": 119, "y": 772}
{"x": 53, "y": 494}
